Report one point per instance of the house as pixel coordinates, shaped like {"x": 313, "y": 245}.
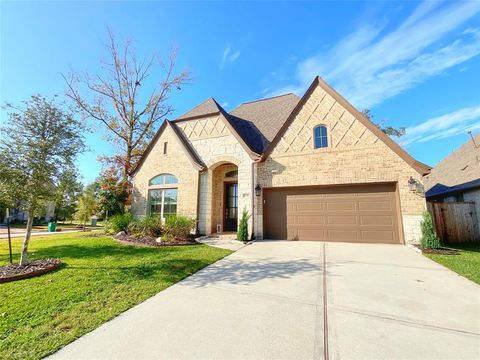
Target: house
{"x": 309, "y": 168}
{"x": 457, "y": 177}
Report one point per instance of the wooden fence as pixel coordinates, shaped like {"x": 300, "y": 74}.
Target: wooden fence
{"x": 455, "y": 222}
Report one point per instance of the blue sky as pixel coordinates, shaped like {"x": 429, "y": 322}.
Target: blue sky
{"x": 414, "y": 64}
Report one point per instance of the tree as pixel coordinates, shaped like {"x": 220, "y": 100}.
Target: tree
{"x": 67, "y": 193}
{"x": 388, "y": 130}
{"x": 113, "y": 193}
{"x": 38, "y": 142}
{"x": 119, "y": 99}
{"x": 86, "y": 206}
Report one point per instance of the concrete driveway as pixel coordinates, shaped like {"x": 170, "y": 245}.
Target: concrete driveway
{"x": 301, "y": 300}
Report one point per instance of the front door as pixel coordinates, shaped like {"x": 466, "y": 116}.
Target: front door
{"x": 231, "y": 207}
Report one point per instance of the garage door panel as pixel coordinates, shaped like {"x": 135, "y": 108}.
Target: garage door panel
{"x": 378, "y": 236}
{"x": 341, "y": 206}
{"x": 343, "y": 235}
{"x": 377, "y": 220}
{"x": 379, "y": 205}
{"x": 354, "y": 213}
{"x": 342, "y": 220}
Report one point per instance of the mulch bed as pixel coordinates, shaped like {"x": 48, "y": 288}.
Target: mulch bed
{"x": 441, "y": 251}
{"x": 152, "y": 241}
{"x": 13, "y": 272}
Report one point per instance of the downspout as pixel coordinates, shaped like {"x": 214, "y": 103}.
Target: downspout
{"x": 197, "y": 230}
{"x": 253, "y": 202}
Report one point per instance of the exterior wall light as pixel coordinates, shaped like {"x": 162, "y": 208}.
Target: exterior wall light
{"x": 258, "y": 190}
{"x": 415, "y": 186}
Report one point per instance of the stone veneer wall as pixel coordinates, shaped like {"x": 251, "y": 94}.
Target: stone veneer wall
{"x": 218, "y": 190}
{"x": 354, "y": 155}
{"x": 215, "y": 145}
{"x": 174, "y": 162}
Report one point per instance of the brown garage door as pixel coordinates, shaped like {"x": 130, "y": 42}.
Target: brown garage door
{"x": 362, "y": 213}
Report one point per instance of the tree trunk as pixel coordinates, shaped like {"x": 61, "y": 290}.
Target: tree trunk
{"x": 23, "y": 256}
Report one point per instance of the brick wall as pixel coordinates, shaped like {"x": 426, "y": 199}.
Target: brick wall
{"x": 354, "y": 155}
{"x": 175, "y": 162}
{"x": 216, "y": 146}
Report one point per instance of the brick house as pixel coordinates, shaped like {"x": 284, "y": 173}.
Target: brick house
{"x": 309, "y": 168}
{"x": 457, "y": 177}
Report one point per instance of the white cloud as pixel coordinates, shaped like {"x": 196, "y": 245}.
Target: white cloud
{"x": 224, "y": 104}
{"x": 229, "y": 56}
{"x": 451, "y": 124}
{"x": 371, "y": 64}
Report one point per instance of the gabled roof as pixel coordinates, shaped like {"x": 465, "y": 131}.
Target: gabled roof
{"x": 259, "y": 125}
{"x": 421, "y": 168}
{"x": 209, "y": 106}
{"x": 440, "y": 190}
{"x": 192, "y": 156}
{"x": 457, "y": 170}
{"x": 259, "y": 121}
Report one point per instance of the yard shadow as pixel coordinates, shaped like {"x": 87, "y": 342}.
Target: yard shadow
{"x": 75, "y": 251}
{"x": 236, "y": 271}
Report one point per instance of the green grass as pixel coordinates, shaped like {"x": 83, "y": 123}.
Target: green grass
{"x": 466, "y": 263}
{"x": 99, "y": 279}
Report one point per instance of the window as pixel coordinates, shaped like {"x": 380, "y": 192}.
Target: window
{"x": 320, "y": 137}
{"x": 165, "y": 148}
{"x": 232, "y": 174}
{"x": 162, "y": 202}
{"x": 163, "y": 179}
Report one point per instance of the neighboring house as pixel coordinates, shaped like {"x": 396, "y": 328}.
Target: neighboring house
{"x": 17, "y": 214}
{"x": 309, "y": 168}
{"x": 457, "y": 177}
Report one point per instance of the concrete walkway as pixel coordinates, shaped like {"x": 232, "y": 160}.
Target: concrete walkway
{"x": 301, "y": 300}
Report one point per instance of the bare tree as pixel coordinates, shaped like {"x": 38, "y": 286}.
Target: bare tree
{"x": 119, "y": 99}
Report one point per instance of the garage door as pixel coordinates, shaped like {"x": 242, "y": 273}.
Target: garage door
{"x": 364, "y": 213}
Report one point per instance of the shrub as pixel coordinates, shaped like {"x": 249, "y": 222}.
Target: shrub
{"x": 242, "y": 233}
{"x": 150, "y": 225}
{"x": 178, "y": 227}
{"x": 118, "y": 223}
{"x": 429, "y": 239}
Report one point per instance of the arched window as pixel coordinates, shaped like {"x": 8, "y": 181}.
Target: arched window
{"x": 163, "y": 201}
{"x": 320, "y": 138}
{"x": 163, "y": 179}
{"x": 232, "y": 174}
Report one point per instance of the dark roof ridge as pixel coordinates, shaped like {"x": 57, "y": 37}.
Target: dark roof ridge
{"x": 208, "y": 110}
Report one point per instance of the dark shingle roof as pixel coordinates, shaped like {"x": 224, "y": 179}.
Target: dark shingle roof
{"x": 460, "y": 167}
{"x": 262, "y": 119}
{"x": 209, "y": 106}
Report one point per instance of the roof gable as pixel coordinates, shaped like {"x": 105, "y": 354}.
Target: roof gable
{"x": 192, "y": 156}
{"x": 318, "y": 82}
{"x": 209, "y": 106}
{"x": 461, "y": 166}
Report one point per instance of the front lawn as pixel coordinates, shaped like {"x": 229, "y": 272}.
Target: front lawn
{"x": 466, "y": 263}
{"x": 100, "y": 279}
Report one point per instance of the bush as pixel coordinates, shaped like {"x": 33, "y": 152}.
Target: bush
{"x": 429, "y": 239}
{"x": 118, "y": 223}
{"x": 178, "y": 227}
{"x": 150, "y": 225}
{"x": 242, "y": 233}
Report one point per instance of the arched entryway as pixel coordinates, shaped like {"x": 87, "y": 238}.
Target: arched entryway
{"x": 224, "y": 198}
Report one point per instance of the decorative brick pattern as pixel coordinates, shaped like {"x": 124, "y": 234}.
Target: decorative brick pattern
{"x": 217, "y": 147}
{"x": 204, "y": 128}
{"x": 354, "y": 155}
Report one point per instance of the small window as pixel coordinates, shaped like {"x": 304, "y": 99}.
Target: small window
{"x": 165, "y": 148}
{"x": 163, "y": 179}
{"x": 232, "y": 174}
{"x": 320, "y": 137}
